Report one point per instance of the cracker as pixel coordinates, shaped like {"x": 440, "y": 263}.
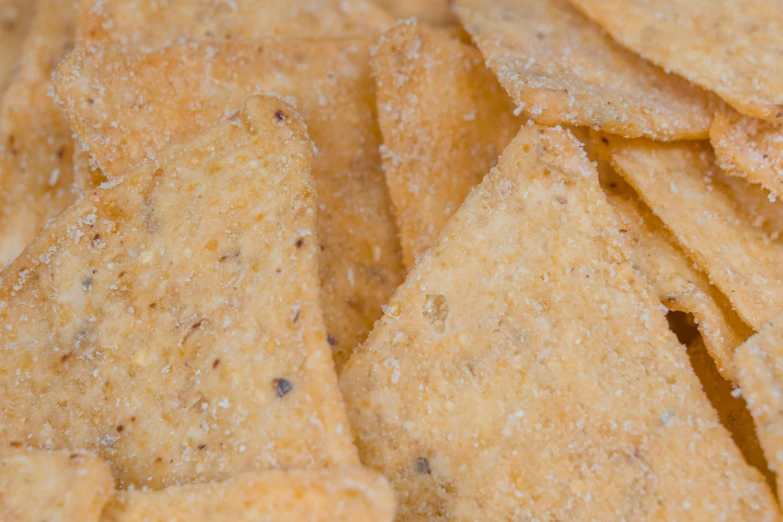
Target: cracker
{"x": 749, "y": 148}
{"x": 36, "y": 169}
{"x": 294, "y": 496}
{"x": 52, "y": 486}
{"x": 435, "y": 12}
{"x": 15, "y": 19}
{"x": 186, "y": 87}
{"x": 444, "y": 119}
{"x": 728, "y": 47}
{"x": 150, "y": 24}
{"x": 677, "y": 181}
{"x": 525, "y": 371}
{"x": 170, "y": 322}
{"x": 759, "y": 364}
{"x": 561, "y": 68}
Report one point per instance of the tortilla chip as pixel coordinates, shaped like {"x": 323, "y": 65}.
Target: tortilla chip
{"x": 170, "y": 322}
{"x": 36, "y": 169}
{"x": 677, "y": 181}
{"x": 188, "y": 86}
{"x": 679, "y": 285}
{"x": 435, "y": 12}
{"x": 728, "y": 47}
{"x": 561, "y": 68}
{"x": 444, "y": 119}
{"x": 759, "y": 365}
{"x": 750, "y": 148}
{"x": 151, "y": 24}
{"x": 306, "y": 496}
{"x": 16, "y": 16}
{"x": 52, "y": 486}
{"x": 524, "y": 370}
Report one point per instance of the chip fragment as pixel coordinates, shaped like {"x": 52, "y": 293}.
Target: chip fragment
{"x": 15, "y": 19}
{"x": 728, "y": 47}
{"x": 186, "y": 87}
{"x": 171, "y": 322}
{"x": 678, "y": 181}
{"x": 52, "y": 486}
{"x": 560, "y": 68}
{"x": 294, "y": 496}
{"x": 36, "y": 167}
{"x": 444, "y": 119}
{"x": 749, "y": 148}
{"x": 525, "y": 371}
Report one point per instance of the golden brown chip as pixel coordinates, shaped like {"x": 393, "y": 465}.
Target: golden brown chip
{"x": 170, "y": 321}
{"x": 561, "y": 68}
{"x": 759, "y": 365}
{"x": 525, "y": 371}
{"x": 150, "y": 24}
{"x": 36, "y": 168}
{"x": 15, "y": 19}
{"x": 188, "y": 86}
{"x": 678, "y": 182}
{"x": 730, "y": 47}
{"x": 436, "y": 12}
{"x": 444, "y": 119}
{"x": 52, "y": 486}
{"x": 750, "y": 148}
{"x": 295, "y": 496}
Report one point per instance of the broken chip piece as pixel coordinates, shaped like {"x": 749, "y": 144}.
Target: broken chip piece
{"x": 560, "y": 68}
{"x": 56, "y": 486}
{"x": 524, "y": 370}
{"x": 444, "y": 119}
{"x": 157, "y": 319}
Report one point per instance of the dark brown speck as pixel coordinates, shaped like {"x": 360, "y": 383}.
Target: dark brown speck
{"x": 282, "y": 387}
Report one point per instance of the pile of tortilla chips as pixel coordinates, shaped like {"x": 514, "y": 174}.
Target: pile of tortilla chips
{"x": 375, "y": 260}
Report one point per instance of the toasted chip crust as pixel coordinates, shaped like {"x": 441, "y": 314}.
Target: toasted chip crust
{"x": 171, "y": 322}
{"x": 52, "y": 486}
{"x": 677, "y": 181}
{"x": 435, "y": 12}
{"x": 15, "y": 19}
{"x": 750, "y": 148}
{"x": 524, "y": 370}
{"x": 561, "y": 68}
{"x": 759, "y": 365}
{"x": 151, "y": 24}
{"x": 728, "y": 47}
{"x": 444, "y": 119}
{"x": 329, "y": 82}
{"x": 294, "y": 496}
{"x": 36, "y": 168}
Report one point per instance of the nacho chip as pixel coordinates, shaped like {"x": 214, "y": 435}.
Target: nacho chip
{"x": 435, "y": 12}
{"x": 444, "y": 119}
{"x": 36, "y": 169}
{"x": 52, "y": 486}
{"x": 728, "y": 47}
{"x": 186, "y": 87}
{"x": 170, "y": 322}
{"x": 759, "y": 364}
{"x": 524, "y": 370}
{"x": 150, "y": 24}
{"x": 314, "y": 496}
{"x": 15, "y": 20}
{"x": 677, "y": 182}
{"x": 750, "y": 148}
{"x": 561, "y": 68}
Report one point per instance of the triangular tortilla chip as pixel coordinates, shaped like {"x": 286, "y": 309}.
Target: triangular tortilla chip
{"x": 186, "y": 87}
{"x": 730, "y": 47}
{"x": 15, "y": 19}
{"x": 525, "y": 371}
{"x": 171, "y": 322}
{"x": 561, "y": 68}
{"x": 295, "y": 496}
{"x": 150, "y": 24}
{"x": 445, "y": 120}
{"x": 36, "y": 169}
{"x": 749, "y": 148}
{"x": 52, "y": 486}
{"x": 677, "y": 181}
{"x": 436, "y": 12}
